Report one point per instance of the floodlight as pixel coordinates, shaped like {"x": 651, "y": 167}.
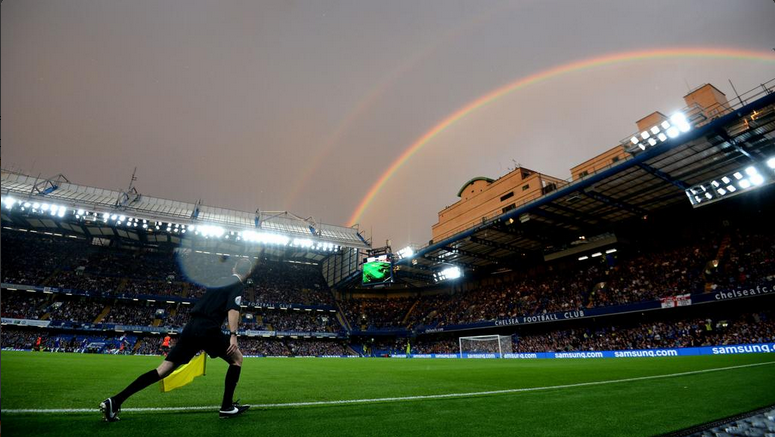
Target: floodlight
{"x": 113, "y": 217}
{"x": 644, "y": 134}
{"x": 655, "y": 130}
{"x": 145, "y": 226}
{"x": 582, "y": 258}
{"x": 771, "y": 163}
{"x": 757, "y": 179}
{"x": 61, "y": 212}
{"x": 709, "y": 196}
{"x": 27, "y": 204}
{"x": 44, "y": 207}
{"x": 662, "y": 137}
{"x": 81, "y": 212}
{"x": 745, "y": 183}
{"x": 597, "y": 254}
{"x": 721, "y": 191}
{"x": 36, "y": 205}
{"x": 451, "y": 273}
{"x": 725, "y": 180}
{"x": 9, "y": 202}
{"x": 652, "y": 141}
{"x": 731, "y": 188}
{"x": 715, "y": 184}
{"x": 679, "y": 120}
{"x": 634, "y": 140}
{"x": 750, "y": 171}
{"x": 665, "y": 124}
{"x": 610, "y": 251}
{"x": 122, "y": 218}
{"x": 673, "y": 132}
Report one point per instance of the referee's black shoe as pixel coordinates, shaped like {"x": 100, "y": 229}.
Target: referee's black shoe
{"x": 235, "y": 410}
{"x": 110, "y": 409}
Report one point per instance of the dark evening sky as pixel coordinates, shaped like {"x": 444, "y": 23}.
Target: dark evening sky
{"x": 304, "y": 105}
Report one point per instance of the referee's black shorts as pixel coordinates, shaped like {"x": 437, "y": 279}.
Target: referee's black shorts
{"x": 199, "y": 334}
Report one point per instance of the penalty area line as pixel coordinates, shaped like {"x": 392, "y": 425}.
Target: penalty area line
{"x": 393, "y": 399}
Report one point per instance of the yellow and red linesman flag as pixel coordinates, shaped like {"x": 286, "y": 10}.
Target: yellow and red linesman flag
{"x": 184, "y": 374}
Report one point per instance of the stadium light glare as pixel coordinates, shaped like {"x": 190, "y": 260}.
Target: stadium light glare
{"x": 738, "y": 175}
{"x": 452, "y": 273}
{"x": 757, "y": 179}
{"x": 750, "y": 171}
{"x": 721, "y": 191}
{"x": 655, "y": 130}
{"x": 113, "y": 217}
{"x": 771, "y": 163}
{"x": 44, "y": 207}
{"x": 665, "y": 125}
{"x": 644, "y": 135}
{"x": 662, "y": 137}
{"x": 679, "y": 120}
{"x": 731, "y": 188}
{"x": 9, "y": 202}
{"x": 122, "y": 218}
{"x": 80, "y": 212}
{"x": 61, "y": 212}
{"x": 597, "y": 254}
{"x": 745, "y": 183}
{"x": 673, "y": 132}
{"x": 652, "y": 142}
{"x": 36, "y": 205}
{"x": 406, "y": 252}
{"x": 145, "y": 226}
{"x": 582, "y": 258}
{"x": 610, "y": 251}
{"x": 634, "y": 140}
{"x": 27, "y": 204}
{"x": 725, "y": 180}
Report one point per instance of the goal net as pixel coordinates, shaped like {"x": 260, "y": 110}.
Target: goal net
{"x": 485, "y": 344}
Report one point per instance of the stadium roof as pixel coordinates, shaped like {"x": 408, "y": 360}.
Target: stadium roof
{"x": 647, "y": 181}
{"x": 260, "y": 225}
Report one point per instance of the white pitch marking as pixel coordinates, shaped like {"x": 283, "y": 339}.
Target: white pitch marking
{"x": 396, "y": 399}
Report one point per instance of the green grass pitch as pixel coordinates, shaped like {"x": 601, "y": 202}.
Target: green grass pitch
{"x": 634, "y": 408}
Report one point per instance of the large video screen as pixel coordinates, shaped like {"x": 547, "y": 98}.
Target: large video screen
{"x": 378, "y": 270}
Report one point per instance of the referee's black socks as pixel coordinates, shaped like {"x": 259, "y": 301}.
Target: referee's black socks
{"x": 232, "y": 376}
{"x": 138, "y": 384}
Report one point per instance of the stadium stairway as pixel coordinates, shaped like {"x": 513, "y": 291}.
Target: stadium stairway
{"x": 722, "y": 248}
{"x": 405, "y": 320}
{"x": 103, "y": 314}
{"x": 340, "y": 316}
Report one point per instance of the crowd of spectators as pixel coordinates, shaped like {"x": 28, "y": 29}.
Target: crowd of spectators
{"x": 264, "y": 347}
{"x": 747, "y": 328}
{"x": 316, "y": 348}
{"x": 749, "y": 260}
{"x": 18, "y": 305}
{"x": 292, "y": 321}
{"x": 77, "y": 311}
{"x": 377, "y": 313}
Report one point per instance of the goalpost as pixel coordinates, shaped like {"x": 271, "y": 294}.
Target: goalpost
{"x": 486, "y": 344}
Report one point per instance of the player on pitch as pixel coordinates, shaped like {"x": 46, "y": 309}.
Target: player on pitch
{"x": 202, "y": 332}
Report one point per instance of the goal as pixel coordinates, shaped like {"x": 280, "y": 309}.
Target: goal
{"x": 485, "y": 344}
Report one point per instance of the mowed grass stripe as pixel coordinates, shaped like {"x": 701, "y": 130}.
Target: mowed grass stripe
{"x": 403, "y": 398}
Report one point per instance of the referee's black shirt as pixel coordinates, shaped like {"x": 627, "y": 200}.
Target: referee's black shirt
{"x": 214, "y": 306}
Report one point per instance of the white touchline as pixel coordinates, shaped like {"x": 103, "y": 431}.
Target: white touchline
{"x": 396, "y": 399}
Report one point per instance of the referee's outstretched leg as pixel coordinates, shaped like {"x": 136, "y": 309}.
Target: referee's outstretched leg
{"x": 202, "y": 332}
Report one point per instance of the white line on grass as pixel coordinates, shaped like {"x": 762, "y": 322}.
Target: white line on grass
{"x": 397, "y": 399}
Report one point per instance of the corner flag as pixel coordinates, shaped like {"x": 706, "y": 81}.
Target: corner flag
{"x": 184, "y": 374}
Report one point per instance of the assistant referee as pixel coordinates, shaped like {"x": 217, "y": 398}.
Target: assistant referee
{"x": 202, "y": 332}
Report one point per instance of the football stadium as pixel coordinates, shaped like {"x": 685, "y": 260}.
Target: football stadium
{"x": 635, "y": 298}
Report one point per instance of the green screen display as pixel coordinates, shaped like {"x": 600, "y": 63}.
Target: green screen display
{"x": 377, "y": 272}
